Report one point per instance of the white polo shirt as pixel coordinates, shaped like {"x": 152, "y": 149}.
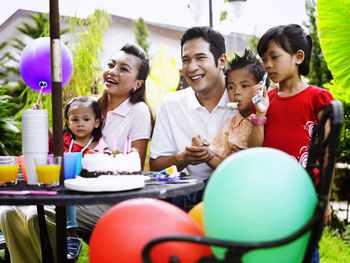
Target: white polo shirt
{"x": 180, "y": 117}
{"x": 127, "y": 120}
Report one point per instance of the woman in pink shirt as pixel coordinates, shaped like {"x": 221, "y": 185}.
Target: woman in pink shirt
{"x": 123, "y": 102}
{"x": 125, "y": 112}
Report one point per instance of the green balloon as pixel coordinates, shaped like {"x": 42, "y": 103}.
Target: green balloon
{"x": 259, "y": 194}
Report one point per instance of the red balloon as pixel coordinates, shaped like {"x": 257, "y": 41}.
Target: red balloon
{"x": 123, "y": 231}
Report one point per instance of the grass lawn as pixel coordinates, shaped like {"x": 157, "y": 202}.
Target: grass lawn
{"x": 332, "y": 248}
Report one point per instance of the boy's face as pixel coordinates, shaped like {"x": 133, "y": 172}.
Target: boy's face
{"x": 239, "y": 87}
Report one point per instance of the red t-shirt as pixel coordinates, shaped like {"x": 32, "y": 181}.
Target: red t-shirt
{"x": 290, "y": 120}
{"x": 66, "y": 143}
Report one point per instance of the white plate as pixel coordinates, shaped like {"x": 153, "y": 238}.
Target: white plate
{"x": 106, "y": 183}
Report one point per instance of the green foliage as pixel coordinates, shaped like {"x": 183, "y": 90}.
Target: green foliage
{"x": 252, "y": 43}
{"x": 319, "y": 72}
{"x": 86, "y": 45}
{"x": 40, "y": 29}
{"x": 9, "y": 132}
{"x": 333, "y": 22}
{"x": 16, "y": 95}
{"x": 342, "y": 94}
{"x": 223, "y": 15}
{"x": 141, "y": 33}
{"x": 230, "y": 56}
{"x": 21, "y": 95}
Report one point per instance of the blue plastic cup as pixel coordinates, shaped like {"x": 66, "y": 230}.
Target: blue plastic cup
{"x": 79, "y": 160}
{"x": 70, "y": 165}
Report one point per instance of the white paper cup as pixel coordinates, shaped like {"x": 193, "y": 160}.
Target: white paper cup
{"x": 35, "y": 144}
{"x": 34, "y": 112}
{"x": 35, "y": 138}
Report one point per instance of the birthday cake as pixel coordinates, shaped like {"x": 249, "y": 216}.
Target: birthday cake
{"x": 95, "y": 164}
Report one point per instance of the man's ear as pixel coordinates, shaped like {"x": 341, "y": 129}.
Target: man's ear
{"x": 222, "y": 61}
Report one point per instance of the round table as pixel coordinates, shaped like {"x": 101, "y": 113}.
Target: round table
{"x": 64, "y": 197}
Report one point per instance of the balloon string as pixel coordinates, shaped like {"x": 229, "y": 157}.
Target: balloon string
{"x": 37, "y": 102}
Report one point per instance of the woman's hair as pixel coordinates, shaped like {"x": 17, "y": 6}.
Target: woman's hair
{"x": 139, "y": 95}
{"x": 248, "y": 62}
{"x": 215, "y": 39}
{"x": 86, "y": 101}
{"x": 291, "y": 38}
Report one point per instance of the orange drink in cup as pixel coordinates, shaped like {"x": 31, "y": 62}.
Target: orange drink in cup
{"x": 8, "y": 169}
{"x": 48, "y": 170}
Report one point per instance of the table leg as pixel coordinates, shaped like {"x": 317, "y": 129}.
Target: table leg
{"x": 61, "y": 234}
{"x": 46, "y": 251}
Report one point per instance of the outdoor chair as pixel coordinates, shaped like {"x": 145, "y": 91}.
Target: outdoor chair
{"x": 320, "y": 167}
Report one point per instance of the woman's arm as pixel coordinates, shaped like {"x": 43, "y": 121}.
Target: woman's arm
{"x": 141, "y": 146}
{"x": 256, "y": 137}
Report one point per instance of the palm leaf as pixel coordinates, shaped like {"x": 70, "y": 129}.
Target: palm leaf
{"x": 333, "y": 25}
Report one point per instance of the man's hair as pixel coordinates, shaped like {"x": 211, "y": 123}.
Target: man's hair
{"x": 215, "y": 39}
{"x": 248, "y": 62}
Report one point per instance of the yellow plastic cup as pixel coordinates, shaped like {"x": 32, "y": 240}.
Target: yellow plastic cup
{"x": 48, "y": 170}
{"x": 8, "y": 169}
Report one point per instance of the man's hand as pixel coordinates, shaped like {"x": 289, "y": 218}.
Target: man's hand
{"x": 197, "y": 152}
{"x": 196, "y": 155}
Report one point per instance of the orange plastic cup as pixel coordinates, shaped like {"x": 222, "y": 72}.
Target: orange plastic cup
{"x": 23, "y": 166}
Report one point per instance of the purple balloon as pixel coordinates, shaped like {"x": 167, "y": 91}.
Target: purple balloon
{"x": 35, "y": 64}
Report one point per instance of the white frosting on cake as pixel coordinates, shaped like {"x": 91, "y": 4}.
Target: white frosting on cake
{"x": 101, "y": 162}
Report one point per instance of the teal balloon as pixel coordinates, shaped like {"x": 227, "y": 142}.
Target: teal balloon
{"x": 259, "y": 194}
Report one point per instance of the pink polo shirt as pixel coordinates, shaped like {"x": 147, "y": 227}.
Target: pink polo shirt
{"x": 127, "y": 120}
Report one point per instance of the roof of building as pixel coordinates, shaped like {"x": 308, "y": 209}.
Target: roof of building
{"x": 234, "y": 41}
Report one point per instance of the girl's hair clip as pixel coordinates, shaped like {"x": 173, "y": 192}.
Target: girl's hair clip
{"x": 306, "y": 33}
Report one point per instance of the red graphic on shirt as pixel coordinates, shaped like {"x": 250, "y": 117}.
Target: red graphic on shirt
{"x": 304, "y": 151}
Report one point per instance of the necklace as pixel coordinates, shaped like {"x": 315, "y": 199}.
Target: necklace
{"x": 87, "y": 145}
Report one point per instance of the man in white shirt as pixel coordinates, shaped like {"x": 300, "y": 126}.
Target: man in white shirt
{"x": 200, "y": 109}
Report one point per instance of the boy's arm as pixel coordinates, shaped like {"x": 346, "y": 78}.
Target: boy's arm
{"x": 214, "y": 162}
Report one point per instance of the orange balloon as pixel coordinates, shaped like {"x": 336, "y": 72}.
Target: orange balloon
{"x": 122, "y": 232}
{"x": 197, "y": 214}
